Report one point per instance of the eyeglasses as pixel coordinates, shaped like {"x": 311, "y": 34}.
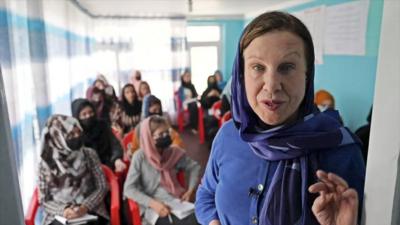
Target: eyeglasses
{"x": 161, "y": 134}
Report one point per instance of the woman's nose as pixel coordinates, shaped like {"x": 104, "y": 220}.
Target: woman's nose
{"x": 272, "y": 82}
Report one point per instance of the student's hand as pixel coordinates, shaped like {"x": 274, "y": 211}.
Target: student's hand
{"x": 187, "y": 196}
{"x": 162, "y": 209}
{"x": 81, "y": 210}
{"x": 337, "y": 204}
{"x": 214, "y": 222}
{"x": 70, "y": 213}
{"x": 119, "y": 165}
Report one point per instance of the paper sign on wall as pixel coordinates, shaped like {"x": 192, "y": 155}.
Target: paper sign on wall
{"x": 345, "y": 29}
{"x": 313, "y": 18}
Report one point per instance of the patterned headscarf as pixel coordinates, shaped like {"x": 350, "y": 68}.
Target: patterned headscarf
{"x": 67, "y": 171}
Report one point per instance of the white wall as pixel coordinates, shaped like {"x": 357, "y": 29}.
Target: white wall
{"x": 381, "y": 197}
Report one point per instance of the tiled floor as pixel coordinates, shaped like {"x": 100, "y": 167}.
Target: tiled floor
{"x": 195, "y": 150}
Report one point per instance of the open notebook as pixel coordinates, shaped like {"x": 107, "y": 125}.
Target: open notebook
{"x": 181, "y": 209}
{"x": 178, "y": 208}
{"x": 81, "y": 220}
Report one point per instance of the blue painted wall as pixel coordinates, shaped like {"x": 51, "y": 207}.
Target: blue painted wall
{"x": 231, "y": 31}
{"x": 351, "y": 79}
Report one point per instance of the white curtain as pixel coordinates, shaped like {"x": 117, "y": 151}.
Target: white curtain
{"x": 156, "y": 47}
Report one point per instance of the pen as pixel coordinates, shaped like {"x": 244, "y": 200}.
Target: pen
{"x": 170, "y": 219}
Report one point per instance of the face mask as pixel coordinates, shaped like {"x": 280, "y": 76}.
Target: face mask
{"x": 163, "y": 142}
{"x": 75, "y": 143}
{"x": 88, "y": 123}
{"x": 155, "y": 113}
{"x": 322, "y": 107}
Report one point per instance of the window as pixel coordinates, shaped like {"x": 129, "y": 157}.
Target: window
{"x": 204, "y": 49}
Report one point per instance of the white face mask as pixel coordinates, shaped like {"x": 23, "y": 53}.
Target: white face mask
{"x": 322, "y": 107}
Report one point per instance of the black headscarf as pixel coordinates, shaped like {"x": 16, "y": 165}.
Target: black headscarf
{"x": 189, "y": 86}
{"x": 98, "y": 135}
{"x": 206, "y": 101}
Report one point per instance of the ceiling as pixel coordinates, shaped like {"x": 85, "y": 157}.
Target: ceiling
{"x": 181, "y": 8}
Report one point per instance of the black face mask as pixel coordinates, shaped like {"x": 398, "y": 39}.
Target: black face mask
{"x": 75, "y": 143}
{"x": 163, "y": 142}
{"x": 155, "y": 113}
{"x": 88, "y": 123}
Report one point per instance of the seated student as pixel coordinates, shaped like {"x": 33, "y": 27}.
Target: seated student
{"x": 131, "y": 108}
{"x": 208, "y": 98}
{"x": 97, "y": 134}
{"x": 220, "y": 80}
{"x": 100, "y": 83}
{"x": 188, "y": 97}
{"x": 153, "y": 107}
{"x": 211, "y": 94}
{"x": 324, "y": 100}
{"x": 326, "y": 104}
{"x": 152, "y": 177}
{"x": 113, "y": 111}
{"x": 71, "y": 181}
{"x": 144, "y": 89}
{"x": 136, "y": 79}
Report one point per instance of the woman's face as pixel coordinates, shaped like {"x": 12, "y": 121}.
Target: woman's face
{"x": 211, "y": 80}
{"x": 129, "y": 94}
{"x": 186, "y": 77}
{"x": 218, "y": 76}
{"x": 99, "y": 84}
{"x": 275, "y": 76}
{"x": 155, "y": 109}
{"x": 144, "y": 89}
{"x": 161, "y": 131}
{"x": 86, "y": 113}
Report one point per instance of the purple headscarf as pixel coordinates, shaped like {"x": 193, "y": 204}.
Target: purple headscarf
{"x": 295, "y": 146}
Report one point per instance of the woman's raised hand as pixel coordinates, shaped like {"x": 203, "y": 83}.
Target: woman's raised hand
{"x": 337, "y": 204}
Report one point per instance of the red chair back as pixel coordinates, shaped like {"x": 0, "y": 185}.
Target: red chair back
{"x": 180, "y": 113}
{"x": 128, "y": 139}
{"x": 227, "y": 116}
{"x": 115, "y": 204}
{"x": 134, "y": 209}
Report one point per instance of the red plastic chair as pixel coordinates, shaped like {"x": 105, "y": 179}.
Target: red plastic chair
{"x": 134, "y": 209}
{"x": 181, "y": 117}
{"x": 227, "y": 116}
{"x": 216, "y": 110}
{"x": 125, "y": 142}
{"x": 201, "y": 123}
{"x": 115, "y": 204}
{"x": 128, "y": 139}
{"x": 180, "y": 112}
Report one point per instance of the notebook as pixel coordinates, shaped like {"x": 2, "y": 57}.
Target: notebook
{"x": 181, "y": 209}
{"x": 77, "y": 221}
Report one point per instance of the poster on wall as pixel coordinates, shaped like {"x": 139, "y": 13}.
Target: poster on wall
{"x": 313, "y": 18}
{"x": 345, "y": 28}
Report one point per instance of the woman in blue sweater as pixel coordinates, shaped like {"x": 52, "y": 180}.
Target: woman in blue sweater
{"x": 264, "y": 160}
